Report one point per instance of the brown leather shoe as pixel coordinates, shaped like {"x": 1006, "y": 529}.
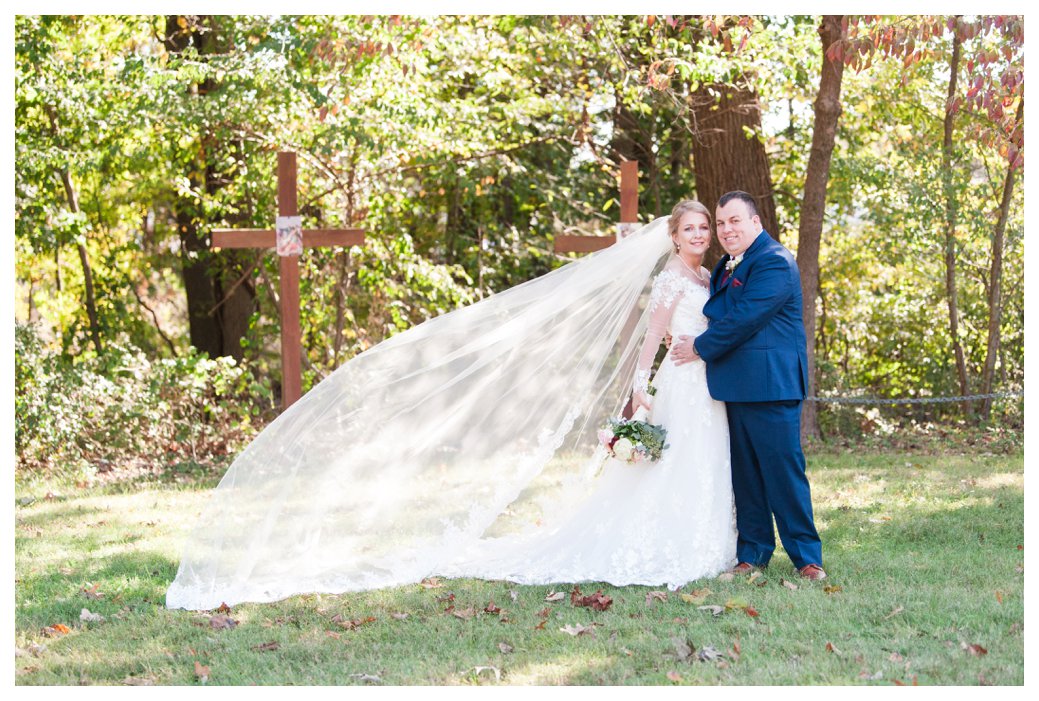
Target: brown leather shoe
{"x": 813, "y": 572}
{"x": 743, "y": 568}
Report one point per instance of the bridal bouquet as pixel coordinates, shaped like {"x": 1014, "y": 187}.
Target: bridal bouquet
{"x": 633, "y": 440}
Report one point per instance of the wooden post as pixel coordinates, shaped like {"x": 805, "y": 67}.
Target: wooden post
{"x": 291, "y": 336}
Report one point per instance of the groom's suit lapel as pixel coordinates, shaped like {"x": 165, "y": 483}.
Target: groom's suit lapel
{"x": 719, "y": 281}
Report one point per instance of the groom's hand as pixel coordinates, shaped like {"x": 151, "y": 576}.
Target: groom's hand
{"x": 682, "y": 351}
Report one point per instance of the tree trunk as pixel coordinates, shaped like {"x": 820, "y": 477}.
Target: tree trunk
{"x": 950, "y": 226}
{"x": 217, "y": 320}
{"x": 725, "y": 158}
{"x": 995, "y": 292}
{"x": 813, "y": 207}
{"x": 84, "y": 260}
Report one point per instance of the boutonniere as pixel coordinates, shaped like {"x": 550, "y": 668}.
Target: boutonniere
{"x": 731, "y": 264}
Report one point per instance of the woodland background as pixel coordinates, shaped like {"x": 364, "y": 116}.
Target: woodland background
{"x": 886, "y": 151}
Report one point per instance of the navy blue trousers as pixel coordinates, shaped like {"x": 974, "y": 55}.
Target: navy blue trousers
{"x": 768, "y": 479}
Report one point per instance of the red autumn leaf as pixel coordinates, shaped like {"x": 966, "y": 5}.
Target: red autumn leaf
{"x": 491, "y": 608}
{"x": 223, "y": 608}
{"x": 975, "y": 649}
{"x": 446, "y": 599}
{"x": 830, "y": 647}
{"x": 675, "y": 677}
{"x": 201, "y": 672}
{"x": 541, "y": 626}
{"x": 899, "y": 682}
{"x": 999, "y": 596}
{"x": 751, "y": 611}
{"x": 431, "y": 583}
{"x": 597, "y": 601}
{"x": 92, "y": 592}
{"x": 543, "y": 613}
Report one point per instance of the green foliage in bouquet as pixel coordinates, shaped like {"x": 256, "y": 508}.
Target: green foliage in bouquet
{"x": 649, "y": 439}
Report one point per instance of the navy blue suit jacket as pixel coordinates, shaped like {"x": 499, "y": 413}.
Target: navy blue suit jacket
{"x": 754, "y": 345}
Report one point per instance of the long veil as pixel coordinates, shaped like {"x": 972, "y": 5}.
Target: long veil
{"x": 475, "y": 424}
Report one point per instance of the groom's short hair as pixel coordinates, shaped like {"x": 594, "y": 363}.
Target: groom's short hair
{"x": 752, "y": 205}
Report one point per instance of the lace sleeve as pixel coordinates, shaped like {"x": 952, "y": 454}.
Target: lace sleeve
{"x": 667, "y": 290}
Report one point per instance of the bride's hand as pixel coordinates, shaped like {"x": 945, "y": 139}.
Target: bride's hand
{"x": 640, "y": 399}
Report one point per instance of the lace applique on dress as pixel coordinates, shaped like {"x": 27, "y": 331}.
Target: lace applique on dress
{"x": 667, "y": 287}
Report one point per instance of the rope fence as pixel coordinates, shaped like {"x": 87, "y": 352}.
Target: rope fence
{"x": 913, "y": 400}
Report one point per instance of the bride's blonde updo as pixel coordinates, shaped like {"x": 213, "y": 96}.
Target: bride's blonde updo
{"x": 682, "y": 208}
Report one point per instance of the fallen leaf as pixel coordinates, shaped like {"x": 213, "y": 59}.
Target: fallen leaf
{"x": 680, "y": 619}
{"x": 399, "y": 616}
{"x": 578, "y": 629}
{"x": 896, "y": 657}
{"x": 464, "y": 614}
{"x": 554, "y": 596}
{"x": 514, "y": 595}
{"x": 683, "y": 648}
{"x": 652, "y": 596}
{"x": 352, "y": 624}
{"x": 830, "y": 647}
{"x": 974, "y": 649}
{"x": 87, "y": 617}
{"x": 597, "y": 601}
{"x": 754, "y": 575}
{"x": 446, "y": 598}
{"x": 491, "y": 608}
{"x": 832, "y": 588}
{"x": 92, "y": 592}
{"x": 675, "y": 677}
{"x": 715, "y": 610}
{"x": 333, "y": 634}
{"x": 505, "y": 648}
{"x": 222, "y": 622}
{"x": 736, "y": 651}
{"x": 223, "y": 608}
{"x": 751, "y": 611}
{"x": 697, "y": 596}
{"x": 543, "y": 613}
{"x": 56, "y": 630}
{"x": 735, "y": 604}
{"x": 267, "y": 647}
{"x": 726, "y": 577}
{"x": 999, "y": 597}
{"x": 367, "y": 678}
{"x": 789, "y": 585}
{"x": 899, "y": 682}
{"x": 431, "y": 583}
{"x": 894, "y": 612}
{"x": 541, "y": 626}
{"x": 201, "y": 672}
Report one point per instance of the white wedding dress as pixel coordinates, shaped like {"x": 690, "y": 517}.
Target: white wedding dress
{"x": 467, "y": 446}
{"x": 664, "y": 523}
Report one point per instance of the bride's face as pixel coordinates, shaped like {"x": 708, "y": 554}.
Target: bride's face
{"x": 694, "y": 234}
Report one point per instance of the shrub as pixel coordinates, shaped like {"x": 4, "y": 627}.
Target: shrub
{"x": 121, "y": 408}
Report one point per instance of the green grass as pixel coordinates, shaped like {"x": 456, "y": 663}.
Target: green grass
{"x": 925, "y": 549}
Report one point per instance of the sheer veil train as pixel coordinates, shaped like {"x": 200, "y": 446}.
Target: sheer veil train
{"x": 475, "y": 424}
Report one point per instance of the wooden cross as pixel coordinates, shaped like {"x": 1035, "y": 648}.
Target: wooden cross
{"x": 291, "y": 343}
{"x": 629, "y": 215}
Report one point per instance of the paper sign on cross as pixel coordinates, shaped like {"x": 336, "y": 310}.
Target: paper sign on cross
{"x": 289, "y": 238}
{"x": 629, "y": 217}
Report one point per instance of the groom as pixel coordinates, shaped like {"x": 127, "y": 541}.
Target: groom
{"x": 757, "y": 364}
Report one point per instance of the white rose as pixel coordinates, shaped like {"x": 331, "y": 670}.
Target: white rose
{"x": 622, "y": 449}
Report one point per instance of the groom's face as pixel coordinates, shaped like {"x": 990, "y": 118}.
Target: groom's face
{"x": 737, "y": 229}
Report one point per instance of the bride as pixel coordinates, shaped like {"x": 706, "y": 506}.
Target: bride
{"x": 466, "y": 447}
